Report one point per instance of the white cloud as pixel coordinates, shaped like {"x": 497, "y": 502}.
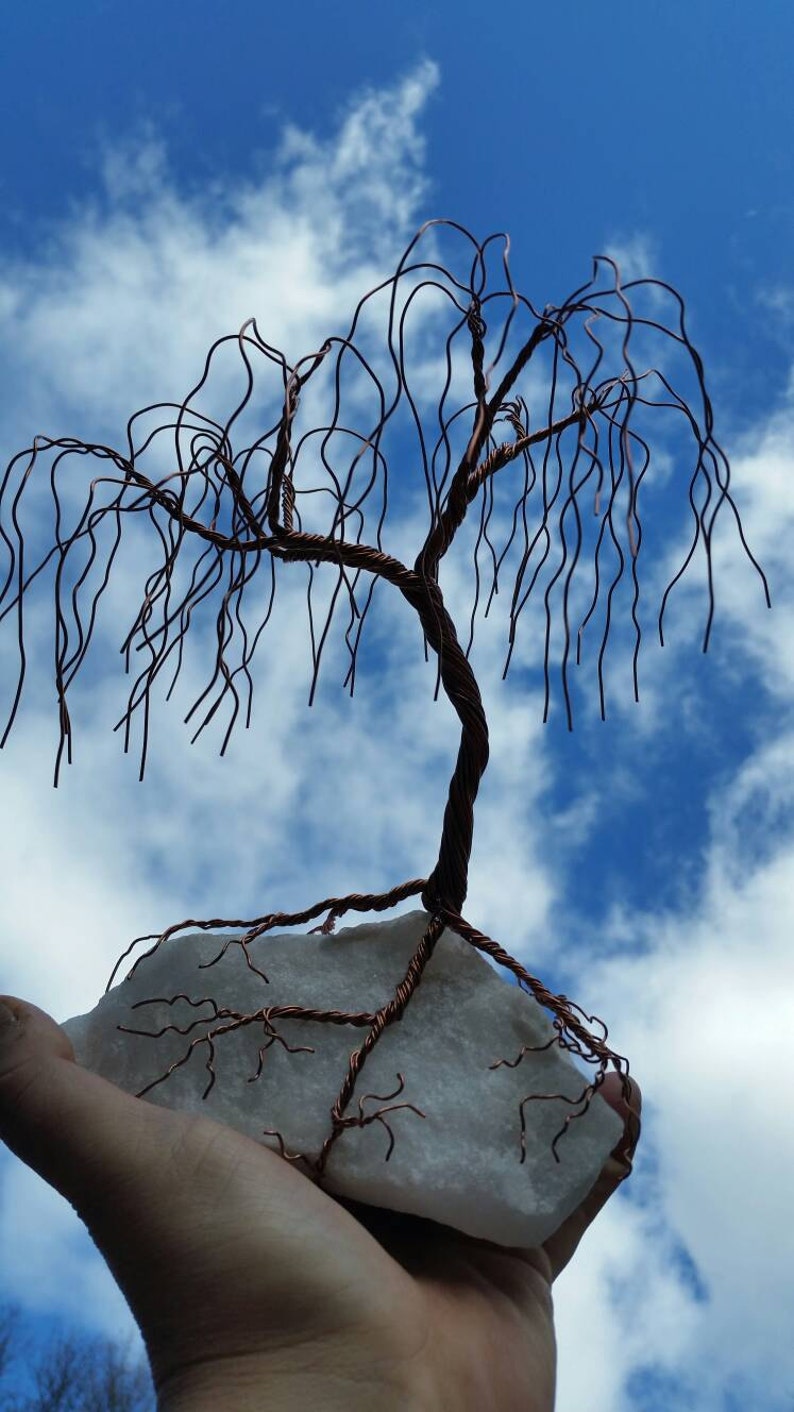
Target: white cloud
{"x": 763, "y": 472}
{"x": 118, "y": 311}
{"x": 703, "y": 1003}
{"x": 621, "y": 1306}
{"x": 49, "y": 1262}
{"x": 778, "y": 299}
{"x": 151, "y": 275}
{"x": 636, "y": 255}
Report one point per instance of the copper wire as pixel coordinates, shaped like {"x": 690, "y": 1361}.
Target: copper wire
{"x": 219, "y": 512}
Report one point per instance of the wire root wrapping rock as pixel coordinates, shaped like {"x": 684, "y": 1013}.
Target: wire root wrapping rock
{"x": 434, "y": 1126}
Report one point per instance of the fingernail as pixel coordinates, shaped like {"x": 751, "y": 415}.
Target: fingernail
{"x": 7, "y": 1019}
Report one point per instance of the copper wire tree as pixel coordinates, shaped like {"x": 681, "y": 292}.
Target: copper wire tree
{"x": 227, "y": 497}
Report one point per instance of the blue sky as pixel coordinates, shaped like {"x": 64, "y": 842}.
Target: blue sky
{"x": 165, "y": 180}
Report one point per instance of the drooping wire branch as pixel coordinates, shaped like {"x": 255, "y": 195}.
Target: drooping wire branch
{"x": 556, "y": 403}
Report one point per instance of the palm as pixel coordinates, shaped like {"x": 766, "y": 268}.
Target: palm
{"x": 255, "y": 1257}
{"x": 237, "y": 1266}
{"x": 485, "y": 1311}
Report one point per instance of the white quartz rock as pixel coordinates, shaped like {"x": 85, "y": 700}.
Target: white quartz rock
{"x": 461, "y": 1163}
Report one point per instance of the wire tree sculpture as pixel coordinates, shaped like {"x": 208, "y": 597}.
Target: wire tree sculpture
{"x": 542, "y": 406}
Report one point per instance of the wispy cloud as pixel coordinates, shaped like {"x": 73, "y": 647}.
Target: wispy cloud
{"x": 151, "y": 275}
{"x": 117, "y": 311}
{"x": 701, "y": 1002}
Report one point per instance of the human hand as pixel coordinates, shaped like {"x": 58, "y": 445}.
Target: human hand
{"x": 252, "y": 1287}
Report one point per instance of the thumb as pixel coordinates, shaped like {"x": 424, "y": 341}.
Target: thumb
{"x": 81, "y": 1133}
{"x": 561, "y": 1246}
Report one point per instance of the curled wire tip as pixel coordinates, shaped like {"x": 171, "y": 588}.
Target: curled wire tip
{"x": 236, "y": 498}
{"x": 302, "y": 471}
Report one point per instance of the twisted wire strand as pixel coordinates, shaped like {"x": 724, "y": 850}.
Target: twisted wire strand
{"x": 223, "y": 496}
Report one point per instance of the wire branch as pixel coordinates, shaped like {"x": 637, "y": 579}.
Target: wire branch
{"x": 302, "y": 470}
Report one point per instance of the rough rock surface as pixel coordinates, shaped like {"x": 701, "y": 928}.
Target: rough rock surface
{"x": 460, "y": 1164}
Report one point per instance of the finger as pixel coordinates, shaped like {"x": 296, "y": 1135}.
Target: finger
{"x": 123, "y": 1164}
{"x": 185, "y": 1210}
{"x": 562, "y": 1245}
{"x": 81, "y": 1133}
